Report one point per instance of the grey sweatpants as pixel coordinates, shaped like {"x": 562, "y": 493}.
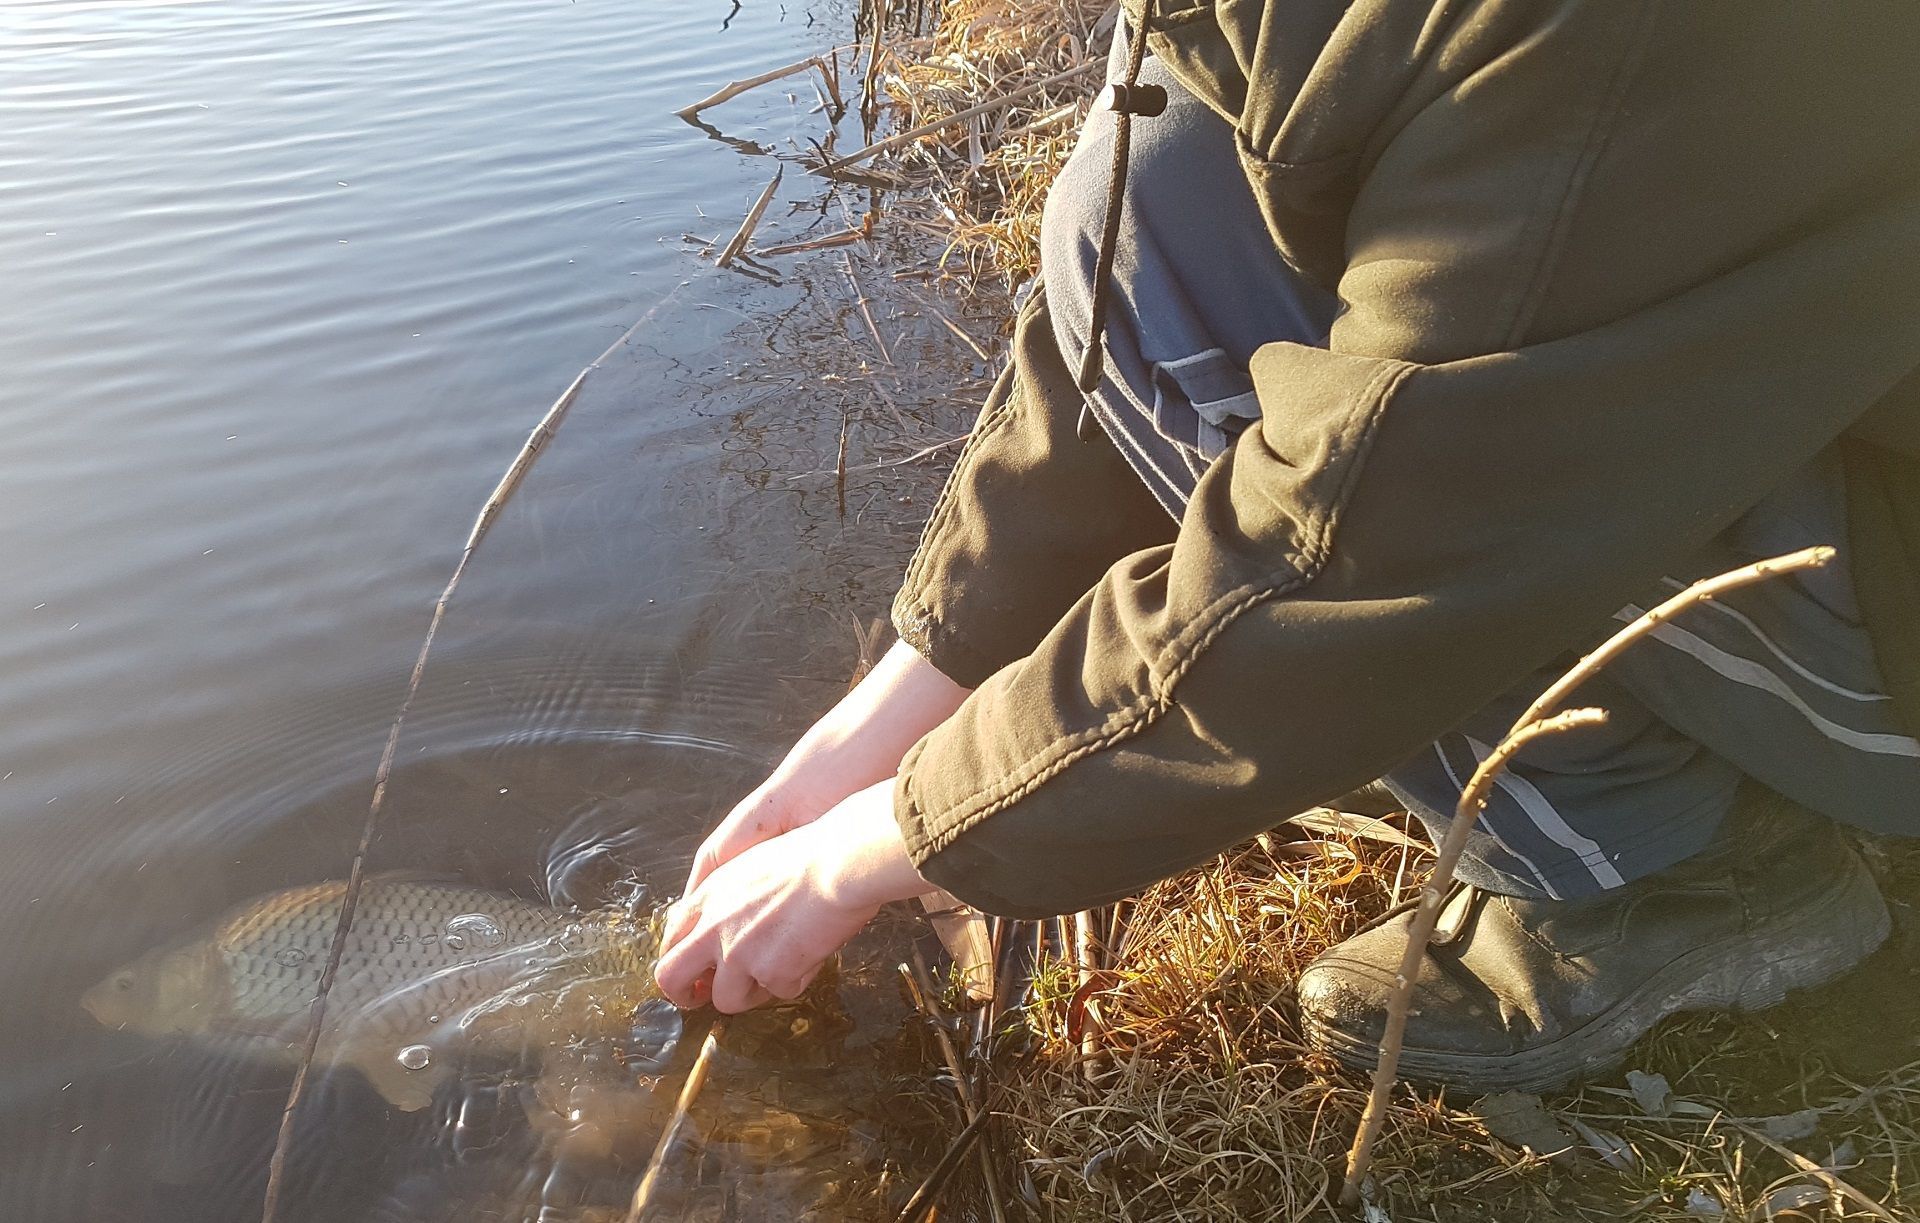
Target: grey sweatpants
{"x": 1776, "y": 682}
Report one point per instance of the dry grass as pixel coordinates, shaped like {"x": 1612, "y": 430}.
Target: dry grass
{"x": 989, "y": 176}
{"x": 1209, "y": 1108}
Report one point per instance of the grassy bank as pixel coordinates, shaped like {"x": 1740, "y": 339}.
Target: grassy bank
{"x": 1198, "y": 1099}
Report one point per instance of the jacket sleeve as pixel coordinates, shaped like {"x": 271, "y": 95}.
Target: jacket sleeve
{"x": 1600, "y": 297}
{"x": 1028, "y": 522}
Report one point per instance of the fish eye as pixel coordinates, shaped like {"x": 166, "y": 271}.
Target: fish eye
{"x": 123, "y": 982}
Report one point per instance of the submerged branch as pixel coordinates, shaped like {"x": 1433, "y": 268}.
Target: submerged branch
{"x": 689, "y": 1092}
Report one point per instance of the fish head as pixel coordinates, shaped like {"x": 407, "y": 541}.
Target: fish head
{"x": 167, "y": 992}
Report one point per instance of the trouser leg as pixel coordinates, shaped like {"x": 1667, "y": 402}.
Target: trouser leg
{"x": 1776, "y": 682}
{"x": 1578, "y": 813}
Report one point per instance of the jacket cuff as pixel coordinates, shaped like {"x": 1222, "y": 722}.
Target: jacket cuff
{"x": 964, "y": 868}
{"x": 938, "y": 641}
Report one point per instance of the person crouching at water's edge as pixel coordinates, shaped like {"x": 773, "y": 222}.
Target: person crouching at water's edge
{"x": 1436, "y": 342}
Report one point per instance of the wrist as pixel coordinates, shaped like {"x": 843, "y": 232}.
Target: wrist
{"x": 902, "y": 698}
{"x": 863, "y": 861}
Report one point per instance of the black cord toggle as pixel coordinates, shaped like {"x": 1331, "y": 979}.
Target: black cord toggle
{"x": 1135, "y": 99}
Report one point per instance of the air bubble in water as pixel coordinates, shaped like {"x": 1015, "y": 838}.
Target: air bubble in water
{"x": 474, "y": 930}
{"x": 291, "y": 957}
{"x": 415, "y": 1057}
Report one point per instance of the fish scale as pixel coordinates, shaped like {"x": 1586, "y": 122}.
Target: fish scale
{"x": 431, "y": 968}
{"x": 276, "y": 949}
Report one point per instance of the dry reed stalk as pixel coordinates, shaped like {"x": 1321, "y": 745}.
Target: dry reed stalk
{"x": 833, "y": 85}
{"x": 869, "y": 643}
{"x": 1052, "y": 119}
{"x": 1116, "y": 930}
{"x": 696, "y": 1079}
{"x": 1002, "y": 162}
{"x": 920, "y": 988}
{"x": 846, "y": 237}
{"x": 926, "y": 1196}
{"x": 866, "y": 312}
{"x": 924, "y": 452}
{"x": 738, "y": 242}
{"x": 869, "y": 100}
{"x": 1538, "y": 720}
{"x": 987, "y": 107}
{"x": 1086, "y": 951}
{"x": 735, "y": 88}
{"x": 840, "y": 470}
{"x": 490, "y": 511}
{"x": 959, "y": 332}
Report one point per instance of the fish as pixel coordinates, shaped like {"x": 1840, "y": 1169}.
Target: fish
{"x": 433, "y": 972}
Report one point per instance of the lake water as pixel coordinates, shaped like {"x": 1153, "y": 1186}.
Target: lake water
{"x": 285, "y": 286}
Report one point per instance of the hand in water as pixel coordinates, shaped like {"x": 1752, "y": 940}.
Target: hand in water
{"x": 858, "y": 743}
{"x": 762, "y": 923}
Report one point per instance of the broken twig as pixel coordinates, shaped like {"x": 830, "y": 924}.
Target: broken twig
{"x": 738, "y": 242}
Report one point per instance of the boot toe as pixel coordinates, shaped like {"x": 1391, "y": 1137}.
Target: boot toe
{"x": 1343, "y": 997}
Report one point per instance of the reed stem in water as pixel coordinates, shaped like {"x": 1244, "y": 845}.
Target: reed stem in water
{"x": 689, "y": 1092}
{"x": 537, "y": 441}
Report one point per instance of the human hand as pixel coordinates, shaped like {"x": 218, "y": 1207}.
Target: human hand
{"x": 762, "y": 924}
{"x": 859, "y": 742}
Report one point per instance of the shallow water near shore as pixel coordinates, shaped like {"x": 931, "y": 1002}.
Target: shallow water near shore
{"x": 287, "y": 286}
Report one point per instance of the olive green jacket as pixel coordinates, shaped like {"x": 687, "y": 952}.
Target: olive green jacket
{"x": 1610, "y": 271}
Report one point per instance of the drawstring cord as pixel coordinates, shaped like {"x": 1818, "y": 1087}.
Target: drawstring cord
{"x": 1125, "y": 99}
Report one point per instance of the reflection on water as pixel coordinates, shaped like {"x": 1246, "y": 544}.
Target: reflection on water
{"x": 286, "y": 285}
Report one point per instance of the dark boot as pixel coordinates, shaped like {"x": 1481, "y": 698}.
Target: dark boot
{"x": 1529, "y": 994}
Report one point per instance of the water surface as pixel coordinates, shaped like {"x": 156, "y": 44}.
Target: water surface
{"x": 285, "y": 287}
